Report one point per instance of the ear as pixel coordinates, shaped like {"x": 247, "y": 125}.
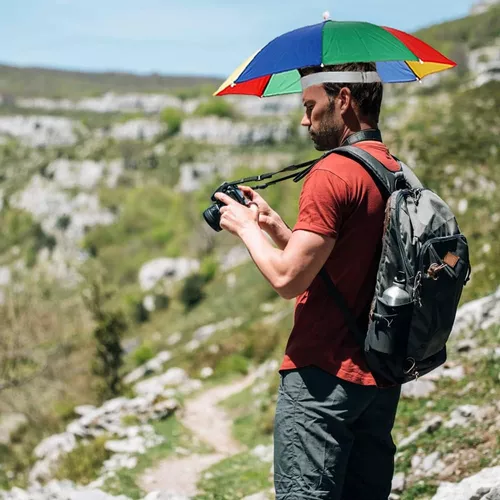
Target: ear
{"x": 345, "y": 100}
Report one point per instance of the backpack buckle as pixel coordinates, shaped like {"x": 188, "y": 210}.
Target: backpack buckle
{"x": 434, "y": 269}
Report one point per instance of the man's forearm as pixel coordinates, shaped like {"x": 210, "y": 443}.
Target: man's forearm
{"x": 279, "y": 232}
{"x": 268, "y": 259}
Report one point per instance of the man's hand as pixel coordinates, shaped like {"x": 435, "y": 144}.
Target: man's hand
{"x": 269, "y": 220}
{"x": 236, "y": 217}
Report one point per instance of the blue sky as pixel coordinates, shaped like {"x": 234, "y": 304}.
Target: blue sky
{"x": 208, "y": 37}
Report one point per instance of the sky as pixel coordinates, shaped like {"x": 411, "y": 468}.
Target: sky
{"x": 188, "y": 37}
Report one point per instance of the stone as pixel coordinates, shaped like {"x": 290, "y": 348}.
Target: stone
{"x": 462, "y": 415}
{"x": 223, "y": 131}
{"x": 264, "y": 453}
{"x": 10, "y": 423}
{"x": 398, "y": 482}
{"x": 477, "y": 315}
{"x": 429, "y": 427}
{"x": 68, "y": 174}
{"x": 468, "y": 488}
{"x": 167, "y": 270}
{"x": 139, "y": 129}
{"x": 173, "y": 377}
{"x": 420, "y": 388}
{"x": 38, "y": 131}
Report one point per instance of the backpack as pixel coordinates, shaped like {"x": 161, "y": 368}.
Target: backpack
{"x": 423, "y": 253}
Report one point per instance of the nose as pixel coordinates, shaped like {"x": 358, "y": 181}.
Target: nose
{"x": 306, "y": 122}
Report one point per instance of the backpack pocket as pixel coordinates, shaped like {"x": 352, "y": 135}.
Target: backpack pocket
{"x": 442, "y": 273}
{"x": 388, "y": 328}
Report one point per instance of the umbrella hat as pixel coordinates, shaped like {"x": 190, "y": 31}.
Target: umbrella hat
{"x": 273, "y": 70}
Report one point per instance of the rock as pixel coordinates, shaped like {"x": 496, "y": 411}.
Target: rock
{"x": 84, "y": 409}
{"x": 462, "y": 415}
{"x": 206, "y": 372}
{"x": 71, "y": 174}
{"x": 478, "y": 315}
{"x": 455, "y": 373}
{"x": 138, "y": 130}
{"x": 468, "y": 488}
{"x": 38, "y": 131}
{"x": 173, "y": 377}
{"x": 257, "y": 496}
{"x": 223, "y": 131}
{"x": 48, "y": 452}
{"x": 165, "y": 495}
{"x": 167, "y": 270}
{"x": 193, "y": 175}
{"x": 205, "y": 332}
{"x": 174, "y": 338}
{"x": 5, "y": 275}
{"x": 10, "y": 423}
{"x": 398, "y": 482}
{"x": 429, "y": 427}
{"x": 59, "y": 490}
{"x": 119, "y": 461}
{"x": 235, "y": 257}
{"x": 48, "y": 204}
{"x": 264, "y": 453}
{"x": 420, "y": 388}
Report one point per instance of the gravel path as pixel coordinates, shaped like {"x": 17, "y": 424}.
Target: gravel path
{"x": 212, "y": 425}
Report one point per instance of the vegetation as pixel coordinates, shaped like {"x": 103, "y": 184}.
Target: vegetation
{"x": 41, "y": 82}
{"x": 216, "y": 107}
{"x": 58, "y": 352}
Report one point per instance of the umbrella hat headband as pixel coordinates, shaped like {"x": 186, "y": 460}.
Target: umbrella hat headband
{"x": 339, "y": 77}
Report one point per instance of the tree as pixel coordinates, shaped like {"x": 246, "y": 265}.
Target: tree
{"x": 109, "y": 328}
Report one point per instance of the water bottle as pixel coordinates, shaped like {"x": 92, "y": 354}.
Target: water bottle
{"x": 396, "y": 295}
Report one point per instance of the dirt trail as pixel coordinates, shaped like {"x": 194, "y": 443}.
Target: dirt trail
{"x": 210, "y": 424}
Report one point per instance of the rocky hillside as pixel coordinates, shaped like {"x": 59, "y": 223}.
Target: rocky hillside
{"x": 139, "y": 348}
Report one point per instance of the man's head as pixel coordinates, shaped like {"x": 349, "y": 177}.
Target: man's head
{"x": 334, "y": 110}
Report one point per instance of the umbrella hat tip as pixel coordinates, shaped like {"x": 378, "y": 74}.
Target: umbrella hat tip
{"x": 326, "y": 15}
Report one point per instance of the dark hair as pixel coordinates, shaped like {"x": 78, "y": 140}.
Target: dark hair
{"x": 367, "y": 96}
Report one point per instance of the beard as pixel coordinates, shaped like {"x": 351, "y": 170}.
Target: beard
{"x": 326, "y": 137}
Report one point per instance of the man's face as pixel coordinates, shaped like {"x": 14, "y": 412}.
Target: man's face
{"x": 320, "y": 117}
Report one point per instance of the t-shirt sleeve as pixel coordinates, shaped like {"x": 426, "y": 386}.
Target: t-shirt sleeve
{"x": 323, "y": 203}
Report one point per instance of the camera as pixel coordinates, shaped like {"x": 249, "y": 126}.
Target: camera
{"x": 212, "y": 213}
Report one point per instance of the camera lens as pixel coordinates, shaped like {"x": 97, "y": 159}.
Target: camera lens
{"x": 212, "y": 216}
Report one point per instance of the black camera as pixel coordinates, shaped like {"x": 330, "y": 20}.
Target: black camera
{"x": 212, "y": 213}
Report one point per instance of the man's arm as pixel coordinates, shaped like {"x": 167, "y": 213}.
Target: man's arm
{"x": 289, "y": 271}
{"x": 292, "y": 270}
{"x": 276, "y": 228}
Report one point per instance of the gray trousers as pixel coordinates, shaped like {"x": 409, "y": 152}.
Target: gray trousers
{"x": 332, "y": 438}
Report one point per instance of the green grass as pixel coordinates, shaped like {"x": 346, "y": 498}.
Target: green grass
{"x": 43, "y": 82}
{"x": 82, "y": 465}
{"x": 234, "y": 477}
{"x": 126, "y": 480}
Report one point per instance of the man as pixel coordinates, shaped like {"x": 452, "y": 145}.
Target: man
{"x": 333, "y": 423}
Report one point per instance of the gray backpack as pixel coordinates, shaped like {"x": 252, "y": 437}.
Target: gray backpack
{"x": 423, "y": 268}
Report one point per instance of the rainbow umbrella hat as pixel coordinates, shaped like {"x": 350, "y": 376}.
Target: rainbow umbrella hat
{"x": 273, "y": 70}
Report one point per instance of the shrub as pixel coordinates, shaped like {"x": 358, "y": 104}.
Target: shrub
{"x": 216, "y": 107}
{"x": 143, "y": 354}
{"x": 235, "y": 363}
{"x": 208, "y": 268}
{"x": 82, "y": 465}
{"x": 172, "y": 117}
{"x": 192, "y": 291}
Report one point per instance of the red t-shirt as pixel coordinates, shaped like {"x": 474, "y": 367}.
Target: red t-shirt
{"x": 339, "y": 199}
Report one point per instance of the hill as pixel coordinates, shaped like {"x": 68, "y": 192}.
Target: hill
{"x": 54, "y": 83}
{"x": 127, "y": 323}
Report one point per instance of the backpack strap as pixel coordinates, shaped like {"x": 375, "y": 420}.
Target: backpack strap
{"x": 386, "y": 180}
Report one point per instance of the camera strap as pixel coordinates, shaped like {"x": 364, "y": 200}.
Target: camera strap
{"x": 362, "y": 135}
